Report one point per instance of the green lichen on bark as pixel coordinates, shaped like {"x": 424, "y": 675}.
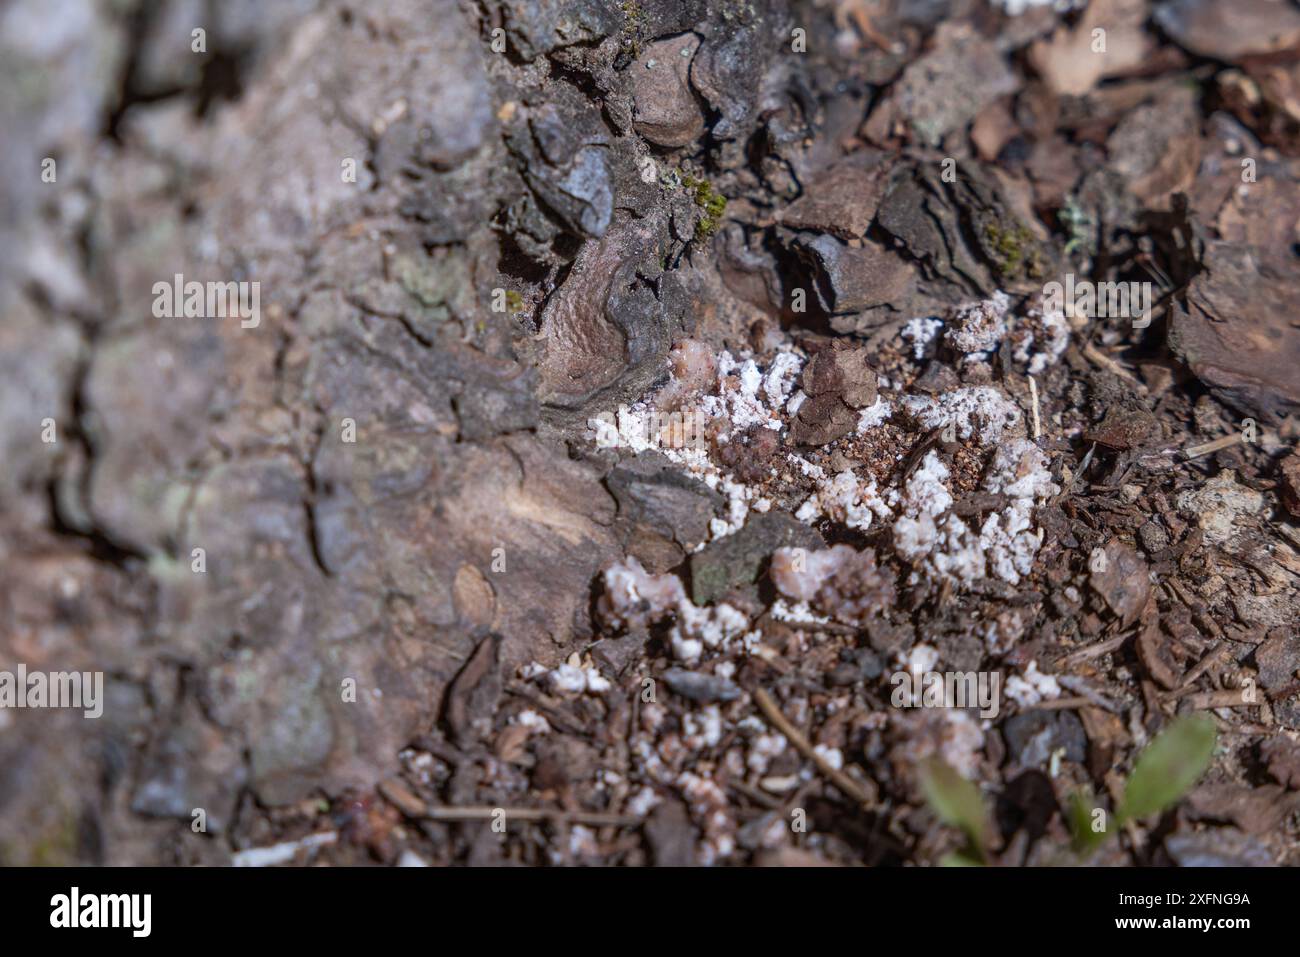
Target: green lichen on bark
{"x": 711, "y": 203}
{"x": 1013, "y": 249}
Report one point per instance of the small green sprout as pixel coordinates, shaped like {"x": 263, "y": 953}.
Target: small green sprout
{"x": 1078, "y": 223}
{"x": 1169, "y": 766}
{"x": 1087, "y": 822}
{"x": 1166, "y": 769}
{"x": 958, "y": 802}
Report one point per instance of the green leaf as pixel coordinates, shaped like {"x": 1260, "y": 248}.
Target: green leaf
{"x": 1079, "y": 816}
{"x": 1168, "y": 767}
{"x": 960, "y": 859}
{"x": 957, "y": 802}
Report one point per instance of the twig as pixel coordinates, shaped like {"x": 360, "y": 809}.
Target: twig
{"x": 772, "y": 711}
{"x": 1284, "y": 692}
{"x": 409, "y": 804}
{"x": 1196, "y": 607}
{"x": 755, "y": 795}
{"x": 1033, "y": 394}
{"x": 1080, "y": 686}
{"x": 1218, "y": 445}
{"x": 914, "y": 457}
{"x": 1229, "y": 698}
{"x": 283, "y": 853}
{"x": 549, "y": 709}
{"x": 1061, "y": 704}
{"x": 1074, "y": 479}
{"x": 859, "y": 13}
{"x": 1248, "y": 729}
{"x": 1097, "y": 650}
{"x": 467, "y": 813}
{"x": 399, "y": 796}
{"x": 1201, "y": 667}
{"x": 1106, "y": 362}
{"x": 803, "y": 624}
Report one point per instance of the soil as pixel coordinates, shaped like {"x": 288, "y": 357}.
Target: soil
{"x": 635, "y": 393}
